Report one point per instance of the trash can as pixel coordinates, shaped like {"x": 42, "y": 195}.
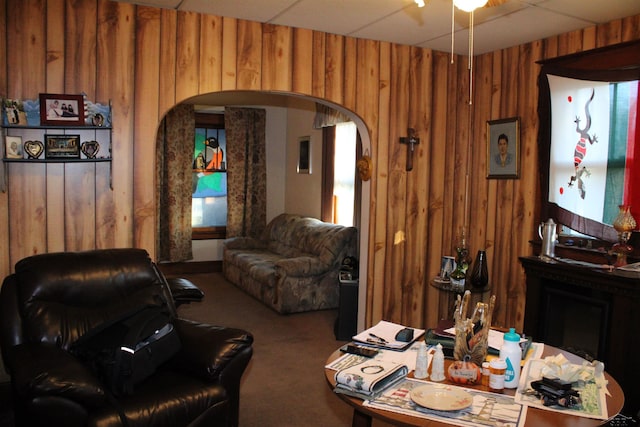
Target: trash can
{"x": 347, "y": 322}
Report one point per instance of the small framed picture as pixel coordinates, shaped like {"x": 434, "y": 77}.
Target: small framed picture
{"x": 62, "y": 146}
{"x": 61, "y": 110}
{"x": 13, "y": 147}
{"x": 304, "y": 154}
{"x": 14, "y": 112}
{"x": 503, "y": 148}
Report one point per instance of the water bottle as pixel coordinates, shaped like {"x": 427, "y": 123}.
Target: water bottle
{"x": 511, "y": 353}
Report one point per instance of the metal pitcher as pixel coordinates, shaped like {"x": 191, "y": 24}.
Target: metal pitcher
{"x": 548, "y": 233}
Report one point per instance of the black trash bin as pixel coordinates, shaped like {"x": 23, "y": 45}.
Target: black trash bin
{"x": 347, "y": 321}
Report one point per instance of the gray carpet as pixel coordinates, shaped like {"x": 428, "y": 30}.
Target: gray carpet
{"x": 284, "y": 384}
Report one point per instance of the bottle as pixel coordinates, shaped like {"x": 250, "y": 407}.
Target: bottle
{"x": 421, "y": 362}
{"x": 497, "y": 369}
{"x": 512, "y": 355}
{"x": 458, "y": 278}
{"x": 459, "y": 275}
{"x": 437, "y": 366}
{"x": 480, "y": 274}
{"x": 486, "y": 372}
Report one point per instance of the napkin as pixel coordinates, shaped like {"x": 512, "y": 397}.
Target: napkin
{"x": 559, "y": 367}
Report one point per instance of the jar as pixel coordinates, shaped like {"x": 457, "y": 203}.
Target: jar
{"x": 486, "y": 372}
{"x": 497, "y": 369}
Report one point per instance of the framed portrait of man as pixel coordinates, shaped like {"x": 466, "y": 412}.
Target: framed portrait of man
{"x": 503, "y": 148}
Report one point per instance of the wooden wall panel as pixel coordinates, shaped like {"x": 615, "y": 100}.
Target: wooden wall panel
{"x": 302, "y": 60}
{"x": 210, "y": 53}
{"x": 146, "y": 116}
{"x": 115, "y": 65}
{"x": 277, "y": 53}
{"x": 249, "y": 55}
{"x": 4, "y": 196}
{"x": 188, "y": 66}
{"x": 146, "y": 59}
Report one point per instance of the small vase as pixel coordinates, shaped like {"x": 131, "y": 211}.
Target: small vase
{"x": 480, "y": 273}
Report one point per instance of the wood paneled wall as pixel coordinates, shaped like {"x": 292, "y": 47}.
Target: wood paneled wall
{"x": 145, "y": 60}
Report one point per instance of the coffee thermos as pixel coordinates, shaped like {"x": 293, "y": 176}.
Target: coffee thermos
{"x": 548, "y": 233}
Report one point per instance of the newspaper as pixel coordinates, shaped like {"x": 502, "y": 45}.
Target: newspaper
{"x": 369, "y": 378}
{"x": 487, "y": 408}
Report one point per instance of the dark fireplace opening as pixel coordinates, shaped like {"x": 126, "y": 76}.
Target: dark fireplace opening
{"x": 575, "y": 321}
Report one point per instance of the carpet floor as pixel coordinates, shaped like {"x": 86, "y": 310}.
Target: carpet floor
{"x": 284, "y": 384}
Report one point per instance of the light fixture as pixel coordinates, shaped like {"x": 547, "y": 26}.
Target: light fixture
{"x": 420, "y": 3}
{"x": 469, "y": 5}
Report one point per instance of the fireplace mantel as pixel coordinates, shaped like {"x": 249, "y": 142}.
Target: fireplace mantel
{"x": 609, "y": 301}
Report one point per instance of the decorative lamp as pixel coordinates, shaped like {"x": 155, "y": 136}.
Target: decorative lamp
{"x": 624, "y": 224}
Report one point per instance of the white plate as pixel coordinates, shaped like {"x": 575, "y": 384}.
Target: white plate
{"x": 441, "y": 398}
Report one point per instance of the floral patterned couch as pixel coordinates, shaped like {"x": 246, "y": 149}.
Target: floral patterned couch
{"x": 293, "y": 266}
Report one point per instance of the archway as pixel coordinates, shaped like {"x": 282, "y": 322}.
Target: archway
{"x": 218, "y": 100}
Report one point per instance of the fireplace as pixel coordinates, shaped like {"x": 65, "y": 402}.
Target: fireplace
{"x": 573, "y": 320}
{"x": 589, "y": 311}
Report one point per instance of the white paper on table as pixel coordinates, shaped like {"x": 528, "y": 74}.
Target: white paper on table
{"x": 387, "y": 331}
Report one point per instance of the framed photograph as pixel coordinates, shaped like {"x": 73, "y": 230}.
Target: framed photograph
{"x": 61, "y": 110}
{"x": 62, "y": 146}
{"x": 13, "y": 147}
{"x": 503, "y": 148}
{"x": 14, "y": 114}
{"x": 304, "y": 154}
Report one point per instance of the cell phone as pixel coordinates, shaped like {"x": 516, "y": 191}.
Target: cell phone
{"x": 359, "y": 350}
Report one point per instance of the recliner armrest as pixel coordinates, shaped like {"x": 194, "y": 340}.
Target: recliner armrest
{"x": 184, "y": 291}
{"x": 207, "y": 350}
{"x": 46, "y": 370}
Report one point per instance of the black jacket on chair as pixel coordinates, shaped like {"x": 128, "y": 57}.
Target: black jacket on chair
{"x": 53, "y": 299}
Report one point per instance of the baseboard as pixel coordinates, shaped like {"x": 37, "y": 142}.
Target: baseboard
{"x": 178, "y": 268}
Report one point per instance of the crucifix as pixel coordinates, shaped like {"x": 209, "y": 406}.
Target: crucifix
{"x": 411, "y": 141}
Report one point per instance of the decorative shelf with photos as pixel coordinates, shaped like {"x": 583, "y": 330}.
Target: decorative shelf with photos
{"x": 56, "y": 128}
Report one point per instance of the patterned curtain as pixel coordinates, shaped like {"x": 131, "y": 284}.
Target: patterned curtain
{"x": 327, "y": 116}
{"x": 174, "y": 160}
{"x": 246, "y": 171}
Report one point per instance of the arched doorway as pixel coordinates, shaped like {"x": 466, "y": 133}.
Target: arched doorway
{"x": 284, "y": 100}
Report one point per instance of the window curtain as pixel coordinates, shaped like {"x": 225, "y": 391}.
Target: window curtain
{"x": 246, "y": 171}
{"x": 327, "y": 116}
{"x": 174, "y": 160}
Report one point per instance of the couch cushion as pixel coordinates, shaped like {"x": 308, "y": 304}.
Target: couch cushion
{"x": 293, "y": 235}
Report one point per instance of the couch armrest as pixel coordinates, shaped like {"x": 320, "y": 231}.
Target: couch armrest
{"x": 184, "y": 291}
{"x": 244, "y": 243}
{"x": 47, "y": 370}
{"x": 208, "y": 350}
{"x": 302, "y": 266}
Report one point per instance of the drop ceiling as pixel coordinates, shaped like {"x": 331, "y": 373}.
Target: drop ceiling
{"x": 511, "y": 23}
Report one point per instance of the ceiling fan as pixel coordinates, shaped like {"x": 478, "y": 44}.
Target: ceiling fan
{"x": 469, "y": 5}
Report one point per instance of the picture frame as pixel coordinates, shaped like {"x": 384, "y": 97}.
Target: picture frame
{"x": 62, "y": 147}
{"x": 13, "y": 147}
{"x": 304, "y": 155}
{"x": 61, "y": 110}
{"x": 503, "y": 148}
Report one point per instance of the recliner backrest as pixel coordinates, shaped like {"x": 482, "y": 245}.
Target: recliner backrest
{"x": 60, "y": 296}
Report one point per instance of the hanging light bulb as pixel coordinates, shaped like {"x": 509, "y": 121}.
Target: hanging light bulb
{"x": 420, "y": 3}
{"x": 469, "y": 5}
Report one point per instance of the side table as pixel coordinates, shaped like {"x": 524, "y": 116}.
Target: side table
{"x": 447, "y": 297}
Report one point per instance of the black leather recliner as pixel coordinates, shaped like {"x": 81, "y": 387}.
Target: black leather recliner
{"x": 53, "y": 299}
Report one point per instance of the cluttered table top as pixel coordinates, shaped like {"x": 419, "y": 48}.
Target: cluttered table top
{"x": 383, "y": 384}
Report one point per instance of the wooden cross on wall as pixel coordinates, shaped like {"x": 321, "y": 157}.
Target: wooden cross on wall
{"x": 411, "y": 141}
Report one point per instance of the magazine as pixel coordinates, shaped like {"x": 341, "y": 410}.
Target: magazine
{"x": 369, "y": 379}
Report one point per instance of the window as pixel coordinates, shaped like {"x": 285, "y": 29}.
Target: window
{"x": 209, "y": 197}
{"x": 344, "y": 173}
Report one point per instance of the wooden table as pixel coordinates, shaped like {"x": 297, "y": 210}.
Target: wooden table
{"x": 362, "y": 416}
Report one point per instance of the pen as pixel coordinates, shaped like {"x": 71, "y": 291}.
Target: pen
{"x": 380, "y": 339}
